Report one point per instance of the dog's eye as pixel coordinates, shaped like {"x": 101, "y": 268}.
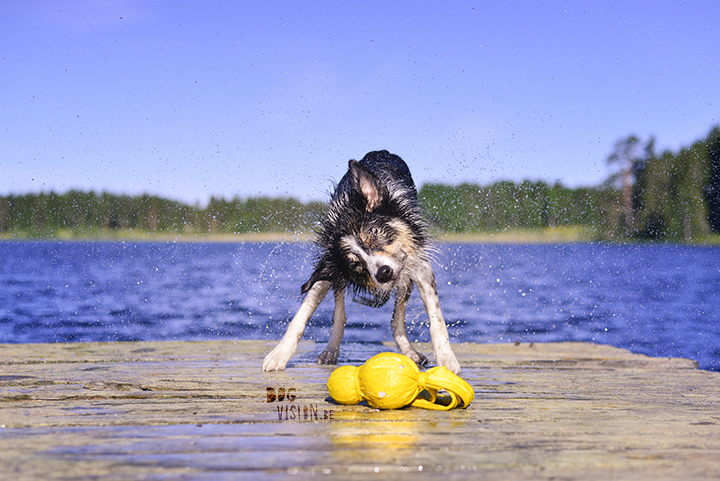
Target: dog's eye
{"x": 373, "y": 244}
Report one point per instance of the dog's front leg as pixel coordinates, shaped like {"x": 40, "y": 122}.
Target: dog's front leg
{"x": 398, "y": 325}
{"x": 444, "y": 355}
{"x": 277, "y": 359}
{"x": 332, "y": 351}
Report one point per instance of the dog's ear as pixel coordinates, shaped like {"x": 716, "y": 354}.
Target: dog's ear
{"x": 322, "y": 272}
{"x": 370, "y": 187}
{"x": 313, "y": 279}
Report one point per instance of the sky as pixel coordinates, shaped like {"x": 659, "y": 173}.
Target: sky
{"x": 189, "y": 100}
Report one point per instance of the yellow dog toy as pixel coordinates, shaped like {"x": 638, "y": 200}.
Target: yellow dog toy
{"x": 392, "y": 381}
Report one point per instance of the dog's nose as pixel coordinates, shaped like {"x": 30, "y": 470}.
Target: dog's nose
{"x": 384, "y": 274}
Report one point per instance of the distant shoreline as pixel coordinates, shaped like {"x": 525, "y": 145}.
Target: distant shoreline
{"x": 559, "y": 235}
{"x": 549, "y": 235}
{"x": 141, "y": 236}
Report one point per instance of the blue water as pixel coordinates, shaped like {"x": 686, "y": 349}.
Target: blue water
{"x": 660, "y": 300}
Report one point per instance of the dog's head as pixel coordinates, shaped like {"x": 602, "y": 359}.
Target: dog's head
{"x": 373, "y": 261}
{"x": 371, "y": 229}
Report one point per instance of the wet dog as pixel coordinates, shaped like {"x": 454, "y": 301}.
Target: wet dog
{"x": 373, "y": 241}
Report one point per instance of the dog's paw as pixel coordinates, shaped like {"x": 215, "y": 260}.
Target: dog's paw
{"x": 328, "y": 356}
{"x": 419, "y": 359}
{"x": 276, "y": 360}
{"x": 448, "y": 360}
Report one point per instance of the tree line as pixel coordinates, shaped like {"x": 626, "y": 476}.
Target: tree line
{"x": 460, "y": 209}
{"x": 650, "y": 195}
{"x": 82, "y": 212}
{"x": 666, "y": 195}
{"x": 469, "y": 208}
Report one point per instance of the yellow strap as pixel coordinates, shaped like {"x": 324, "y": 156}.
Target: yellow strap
{"x": 440, "y": 377}
{"x": 442, "y": 403}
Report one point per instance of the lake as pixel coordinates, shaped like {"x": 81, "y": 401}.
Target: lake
{"x": 660, "y": 300}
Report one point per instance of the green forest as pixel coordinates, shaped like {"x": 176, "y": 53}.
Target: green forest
{"x": 650, "y": 195}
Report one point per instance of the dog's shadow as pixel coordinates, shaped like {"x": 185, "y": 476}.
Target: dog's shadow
{"x": 350, "y": 353}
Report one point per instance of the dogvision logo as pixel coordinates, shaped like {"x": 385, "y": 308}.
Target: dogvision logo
{"x": 290, "y": 410}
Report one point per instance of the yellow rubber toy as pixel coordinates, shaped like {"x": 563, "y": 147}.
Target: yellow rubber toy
{"x": 392, "y": 381}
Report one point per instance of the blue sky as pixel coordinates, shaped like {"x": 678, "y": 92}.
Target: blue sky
{"x": 193, "y": 99}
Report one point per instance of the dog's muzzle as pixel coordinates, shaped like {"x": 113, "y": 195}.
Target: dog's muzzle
{"x": 372, "y": 298}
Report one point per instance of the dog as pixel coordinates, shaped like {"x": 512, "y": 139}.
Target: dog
{"x": 372, "y": 242}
